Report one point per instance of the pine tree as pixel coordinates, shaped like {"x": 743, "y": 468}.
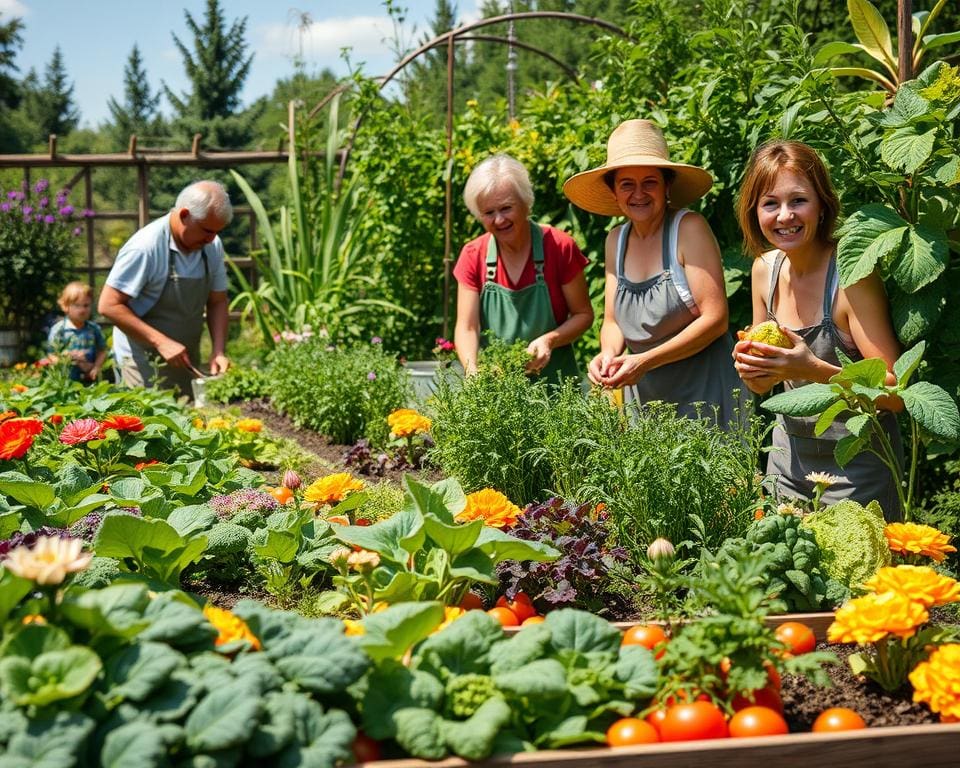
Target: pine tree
{"x": 10, "y": 91}
{"x": 138, "y": 112}
{"x": 49, "y": 106}
{"x": 217, "y": 67}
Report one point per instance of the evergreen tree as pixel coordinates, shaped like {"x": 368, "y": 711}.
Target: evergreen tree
{"x": 217, "y": 67}
{"x": 138, "y": 112}
{"x": 10, "y": 92}
{"x": 48, "y": 106}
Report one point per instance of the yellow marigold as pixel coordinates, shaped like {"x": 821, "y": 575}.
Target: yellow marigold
{"x": 198, "y": 423}
{"x": 230, "y": 627}
{"x": 218, "y": 422}
{"x": 871, "y": 618}
{"x": 33, "y": 618}
{"x": 491, "y": 506}
{"x": 353, "y": 628}
{"x": 917, "y": 582}
{"x": 20, "y": 367}
{"x": 249, "y": 425}
{"x": 405, "y": 421}
{"x": 332, "y": 488}
{"x": 936, "y": 682}
{"x": 450, "y": 614}
{"x": 18, "y": 388}
{"x": 915, "y": 539}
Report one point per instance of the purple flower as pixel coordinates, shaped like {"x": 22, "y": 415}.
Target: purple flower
{"x": 44, "y": 202}
{"x": 77, "y": 231}
{"x": 376, "y": 340}
{"x": 4, "y": 207}
{"x": 67, "y": 210}
{"x": 13, "y": 195}
{"x": 27, "y": 210}
{"x": 49, "y": 219}
{"x": 61, "y": 197}
{"x": 41, "y": 186}
{"x": 371, "y": 376}
{"x": 87, "y": 213}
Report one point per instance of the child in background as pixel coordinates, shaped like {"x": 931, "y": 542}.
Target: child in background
{"x": 76, "y": 336}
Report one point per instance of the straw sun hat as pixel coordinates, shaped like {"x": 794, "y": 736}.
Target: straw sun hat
{"x": 632, "y": 143}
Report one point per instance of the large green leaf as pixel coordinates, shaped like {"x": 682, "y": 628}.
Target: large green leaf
{"x": 138, "y": 670}
{"x": 828, "y": 417}
{"x": 419, "y": 732}
{"x": 51, "y": 676}
{"x": 24, "y": 490}
{"x": 581, "y": 631}
{"x": 115, "y": 610}
{"x": 907, "y": 364}
{"x": 391, "y": 687}
{"x": 915, "y": 313}
{"x": 56, "y": 743}
{"x": 396, "y": 538}
{"x": 502, "y": 546}
{"x": 12, "y": 590}
{"x": 462, "y": 647}
{"x": 225, "y": 718}
{"x": 906, "y": 150}
{"x": 319, "y": 658}
{"x": 474, "y": 738}
{"x": 867, "y": 238}
{"x": 541, "y": 678}
{"x": 134, "y": 745}
{"x": 454, "y": 538}
{"x": 808, "y": 400}
{"x": 871, "y": 372}
{"x": 637, "y": 670}
{"x": 847, "y": 448}
{"x": 390, "y": 633}
{"x": 872, "y": 32}
{"x": 924, "y": 259}
{"x": 933, "y": 409}
{"x": 156, "y": 547}
{"x": 425, "y": 500}
{"x": 323, "y": 738}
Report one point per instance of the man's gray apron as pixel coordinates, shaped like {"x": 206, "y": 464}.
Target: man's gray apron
{"x": 797, "y": 451}
{"x": 651, "y": 312}
{"x": 178, "y": 314}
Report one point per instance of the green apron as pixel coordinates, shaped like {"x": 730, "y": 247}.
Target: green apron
{"x": 524, "y": 314}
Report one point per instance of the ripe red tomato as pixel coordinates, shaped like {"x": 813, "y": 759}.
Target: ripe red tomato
{"x": 282, "y": 494}
{"x": 631, "y": 730}
{"x": 471, "y": 601}
{"x": 838, "y": 719}
{"x": 365, "y": 749}
{"x": 757, "y": 721}
{"x": 520, "y": 605}
{"x": 798, "y": 637}
{"x": 655, "y": 717}
{"x": 693, "y": 720}
{"x": 764, "y": 697}
{"x": 648, "y": 635}
{"x": 505, "y": 616}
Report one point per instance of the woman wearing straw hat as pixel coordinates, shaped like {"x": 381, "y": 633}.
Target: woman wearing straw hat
{"x": 519, "y": 280}
{"x": 664, "y": 334}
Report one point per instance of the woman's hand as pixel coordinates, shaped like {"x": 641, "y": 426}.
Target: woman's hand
{"x": 539, "y": 350}
{"x": 599, "y": 368}
{"x": 763, "y": 365}
{"x": 623, "y": 371}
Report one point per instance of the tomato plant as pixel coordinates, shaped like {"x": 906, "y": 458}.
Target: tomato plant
{"x": 767, "y": 697}
{"x": 693, "y": 720}
{"x": 798, "y": 637}
{"x": 647, "y": 635}
{"x": 757, "y": 721}
{"x": 631, "y": 730}
{"x": 365, "y": 749}
{"x": 282, "y": 494}
{"x": 838, "y": 719}
{"x": 505, "y": 616}
{"x": 521, "y": 606}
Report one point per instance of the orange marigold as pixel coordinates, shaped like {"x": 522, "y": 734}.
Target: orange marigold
{"x": 17, "y": 436}
{"x": 916, "y": 539}
{"x": 230, "y": 627}
{"x": 491, "y": 506}
{"x": 917, "y": 582}
{"x": 405, "y": 422}
{"x": 871, "y": 618}
{"x": 936, "y": 682}
{"x": 332, "y": 488}
{"x": 122, "y": 422}
{"x": 20, "y": 388}
{"x": 249, "y": 425}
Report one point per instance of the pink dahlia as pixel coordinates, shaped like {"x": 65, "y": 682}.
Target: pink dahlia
{"x": 80, "y": 431}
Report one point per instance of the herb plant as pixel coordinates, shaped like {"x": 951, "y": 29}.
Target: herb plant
{"x": 238, "y": 383}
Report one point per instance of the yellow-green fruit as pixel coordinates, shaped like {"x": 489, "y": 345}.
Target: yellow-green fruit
{"x": 769, "y": 333}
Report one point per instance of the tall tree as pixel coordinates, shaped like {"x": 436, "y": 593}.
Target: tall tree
{"x": 10, "y": 92}
{"x": 217, "y": 67}
{"x": 49, "y": 105}
{"x": 138, "y": 112}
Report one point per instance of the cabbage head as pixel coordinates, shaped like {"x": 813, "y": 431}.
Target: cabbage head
{"x": 851, "y": 540}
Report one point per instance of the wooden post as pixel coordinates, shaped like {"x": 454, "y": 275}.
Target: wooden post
{"x": 195, "y": 149}
{"x": 143, "y": 191}
{"x": 448, "y": 194}
{"x": 88, "y": 225}
{"x": 904, "y": 41}
{"x": 52, "y": 145}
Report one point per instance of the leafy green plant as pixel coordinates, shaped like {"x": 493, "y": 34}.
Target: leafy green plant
{"x": 873, "y": 36}
{"x": 316, "y": 270}
{"x": 238, "y": 383}
{"x": 853, "y": 395}
{"x": 342, "y": 392}
{"x": 851, "y": 540}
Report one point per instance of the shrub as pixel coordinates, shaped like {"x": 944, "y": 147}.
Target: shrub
{"x": 344, "y": 393}
{"x": 238, "y": 383}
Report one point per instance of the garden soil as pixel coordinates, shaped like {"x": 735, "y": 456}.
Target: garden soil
{"x": 802, "y": 700}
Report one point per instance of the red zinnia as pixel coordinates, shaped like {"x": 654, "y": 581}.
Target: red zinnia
{"x": 122, "y": 423}
{"x": 80, "y": 431}
{"x": 56, "y": 419}
{"x": 16, "y": 437}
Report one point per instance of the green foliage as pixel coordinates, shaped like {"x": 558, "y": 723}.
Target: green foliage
{"x": 344, "y": 393}
{"x": 793, "y": 575}
{"x": 238, "y": 383}
{"x": 855, "y": 395}
{"x": 851, "y": 541}
{"x": 137, "y": 113}
{"x": 469, "y": 691}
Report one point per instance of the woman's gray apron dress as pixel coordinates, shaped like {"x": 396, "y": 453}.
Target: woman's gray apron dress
{"x": 655, "y": 310}
{"x": 178, "y": 314}
{"x": 524, "y": 314}
{"x": 797, "y": 452}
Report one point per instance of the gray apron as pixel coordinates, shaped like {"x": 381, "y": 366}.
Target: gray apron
{"x": 651, "y": 312}
{"x": 797, "y": 451}
{"x": 178, "y": 314}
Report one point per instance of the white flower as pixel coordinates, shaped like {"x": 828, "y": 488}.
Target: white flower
{"x": 49, "y": 560}
{"x": 660, "y": 548}
{"x": 823, "y": 479}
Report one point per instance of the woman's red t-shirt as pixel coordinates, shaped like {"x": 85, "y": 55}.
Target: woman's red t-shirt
{"x": 562, "y": 262}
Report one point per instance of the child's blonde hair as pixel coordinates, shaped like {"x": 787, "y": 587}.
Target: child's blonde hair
{"x": 74, "y": 292}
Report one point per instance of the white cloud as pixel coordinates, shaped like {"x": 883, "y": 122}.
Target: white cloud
{"x": 13, "y": 9}
{"x": 322, "y": 41}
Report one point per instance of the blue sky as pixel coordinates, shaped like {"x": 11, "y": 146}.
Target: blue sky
{"x": 96, "y": 37}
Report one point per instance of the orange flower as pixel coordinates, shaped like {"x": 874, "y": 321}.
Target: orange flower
{"x": 17, "y": 436}
{"x": 18, "y": 388}
{"x": 218, "y": 422}
{"x": 332, "y": 488}
{"x": 7, "y": 415}
{"x": 491, "y": 506}
{"x": 230, "y": 627}
{"x": 56, "y": 419}
{"x": 249, "y": 425}
{"x": 915, "y": 539}
{"x": 122, "y": 423}
{"x": 871, "y": 618}
{"x": 916, "y": 582}
{"x": 144, "y": 464}
{"x": 936, "y": 682}
{"x": 405, "y": 422}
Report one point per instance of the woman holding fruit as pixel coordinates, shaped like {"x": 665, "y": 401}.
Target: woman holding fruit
{"x": 664, "y": 334}
{"x": 519, "y": 281}
{"x": 787, "y": 202}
